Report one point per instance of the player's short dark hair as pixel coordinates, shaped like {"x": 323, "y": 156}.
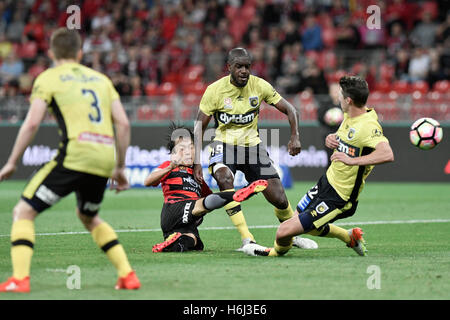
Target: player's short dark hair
{"x": 177, "y": 132}
{"x": 65, "y": 43}
{"x": 236, "y": 53}
{"x": 356, "y": 88}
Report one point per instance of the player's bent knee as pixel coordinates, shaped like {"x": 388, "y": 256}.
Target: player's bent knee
{"x": 23, "y": 210}
{"x": 89, "y": 221}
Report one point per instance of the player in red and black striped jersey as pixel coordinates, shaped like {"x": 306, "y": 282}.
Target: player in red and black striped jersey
{"x": 185, "y": 200}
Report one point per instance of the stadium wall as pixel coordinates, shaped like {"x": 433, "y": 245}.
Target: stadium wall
{"x": 148, "y": 148}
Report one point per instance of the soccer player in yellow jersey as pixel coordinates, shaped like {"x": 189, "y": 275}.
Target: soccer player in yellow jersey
{"x": 87, "y": 109}
{"x": 359, "y": 144}
{"x": 234, "y": 102}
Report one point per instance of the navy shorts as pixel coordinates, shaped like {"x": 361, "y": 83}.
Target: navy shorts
{"x": 322, "y": 205}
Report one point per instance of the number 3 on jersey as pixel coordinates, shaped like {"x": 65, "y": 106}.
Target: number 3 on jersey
{"x": 96, "y": 115}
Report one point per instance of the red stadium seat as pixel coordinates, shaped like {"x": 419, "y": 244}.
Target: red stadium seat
{"x": 151, "y": 89}
{"x": 166, "y": 88}
{"x": 163, "y": 112}
{"x": 383, "y": 86}
{"x": 401, "y": 87}
{"x": 421, "y": 86}
{"x": 197, "y": 88}
{"x": 387, "y": 72}
{"x": 144, "y": 113}
{"x": 442, "y": 86}
{"x": 327, "y": 60}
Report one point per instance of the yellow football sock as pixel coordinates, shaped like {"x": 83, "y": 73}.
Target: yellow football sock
{"x": 284, "y": 214}
{"x": 22, "y": 241}
{"x": 279, "y": 250}
{"x": 105, "y": 237}
{"x": 339, "y": 233}
{"x": 233, "y": 209}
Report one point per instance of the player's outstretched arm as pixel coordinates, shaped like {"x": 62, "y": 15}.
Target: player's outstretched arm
{"x": 154, "y": 178}
{"x": 383, "y": 153}
{"x": 122, "y": 137}
{"x": 199, "y": 128}
{"x": 26, "y": 134}
{"x": 294, "y": 145}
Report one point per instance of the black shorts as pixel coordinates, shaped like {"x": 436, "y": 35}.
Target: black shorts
{"x": 53, "y": 182}
{"x": 254, "y": 161}
{"x": 178, "y": 217}
{"x": 322, "y": 205}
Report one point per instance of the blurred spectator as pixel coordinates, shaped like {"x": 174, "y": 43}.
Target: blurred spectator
{"x": 16, "y": 27}
{"x": 396, "y": 40}
{"x": 424, "y": 34}
{"x": 97, "y": 41}
{"x": 34, "y": 29}
{"x": 11, "y": 68}
{"x": 290, "y": 82}
{"x": 312, "y": 34}
{"x": 419, "y": 65}
{"x": 39, "y": 66}
{"x": 436, "y": 72}
{"x": 101, "y": 19}
{"x": 5, "y": 46}
{"x": 401, "y": 64}
{"x": 313, "y": 78}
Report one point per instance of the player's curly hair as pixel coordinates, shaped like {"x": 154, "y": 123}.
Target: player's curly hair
{"x": 356, "y": 88}
{"x": 176, "y": 132}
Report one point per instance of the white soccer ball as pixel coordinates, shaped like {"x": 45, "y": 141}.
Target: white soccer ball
{"x": 426, "y": 133}
{"x": 334, "y": 116}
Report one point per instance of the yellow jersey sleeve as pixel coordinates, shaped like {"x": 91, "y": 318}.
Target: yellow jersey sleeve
{"x": 269, "y": 94}
{"x": 113, "y": 92}
{"x": 207, "y": 103}
{"x": 374, "y": 136}
{"x": 41, "y": 89}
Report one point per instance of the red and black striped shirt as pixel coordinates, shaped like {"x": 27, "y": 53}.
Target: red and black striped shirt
{"x": 180, "y": 185}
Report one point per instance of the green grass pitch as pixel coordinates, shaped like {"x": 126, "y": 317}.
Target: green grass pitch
{"x": 406, "y": 225}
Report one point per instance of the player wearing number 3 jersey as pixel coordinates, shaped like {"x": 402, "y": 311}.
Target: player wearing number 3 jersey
{"x": 87, "y": 109}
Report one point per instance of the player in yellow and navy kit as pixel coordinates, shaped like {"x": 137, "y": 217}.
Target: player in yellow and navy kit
{"x": 87, "y": 109}
{"x": 234, "y": 102}
{"x": 359, "y": 144}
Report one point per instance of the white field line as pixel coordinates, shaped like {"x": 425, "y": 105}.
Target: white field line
{"x": 252, "y": 227}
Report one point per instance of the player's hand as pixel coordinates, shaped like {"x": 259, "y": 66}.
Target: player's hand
{"x": 198, "y": 173}
{"x": 294, "y": 146}
{"x": 119, "y": 181}
{"x": 7, "y": 170}
{"x": 331, "y": 141}
{"x": 341, "y": 156}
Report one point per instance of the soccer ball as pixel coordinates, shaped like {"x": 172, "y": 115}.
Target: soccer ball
{"x": 334, "y": 116}
{"x": 425, "y": 133}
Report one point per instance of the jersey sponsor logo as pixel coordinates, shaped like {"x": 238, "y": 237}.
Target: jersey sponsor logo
{"x": 227, "y": 102}
{"x": 186, "y": 212}
{"x": 95, "y": 137}
{"x": 348, "y": 149}
{"x": 254, "y": 101}
{"x": 226, "y": 118}
{"x": 191, "y": 181}
{"x": 376, "y": 133}
{"x": 47, "y": 195}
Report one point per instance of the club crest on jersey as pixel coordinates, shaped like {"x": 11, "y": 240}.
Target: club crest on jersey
{"x": 254, "y": 101}
{"x": 321, "y": 207}
{"x": 351, "y": 134}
